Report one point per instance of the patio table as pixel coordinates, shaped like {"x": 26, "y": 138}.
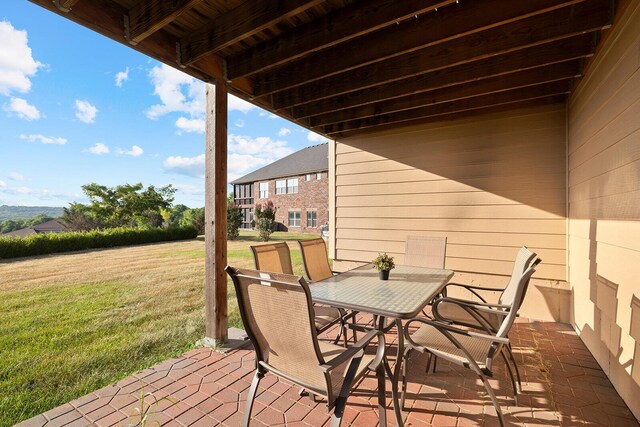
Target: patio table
{"x": 403, "y": 296}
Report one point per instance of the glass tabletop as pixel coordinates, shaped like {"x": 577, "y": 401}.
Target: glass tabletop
{"x": 407, "y": 291}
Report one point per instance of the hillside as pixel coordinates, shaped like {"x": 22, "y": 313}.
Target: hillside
{"x": 24, "y": 212}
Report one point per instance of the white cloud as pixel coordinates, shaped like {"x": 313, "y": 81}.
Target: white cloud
{"x": 27, "y": 195}
{"x": 122, "y": 76}
{"x": 2, "y": 184}
{"x": 178, "y": 92}
{"x": 273, "y": 116}
{"x": 181, "y": 93}
{"x": 43, "y": 139}
{"x": 197, "y": 190}
{"x": 15, "y": 176}
{"x": 22, "y": 109}
{"x": 239, "y": 123}
{"x": 236, "y": 104}
{"x": 190, "y": 166}
{"x": 17, "y": 65}
{"x": 314, "y": 137}
{"x": 284, "y": 132}
{"x": 99, "y": 149}
{"x": 134, "y": 152}
{"x": 262, "y": 146}
{"x": 245, "y": 154}
{"x": 85, "y": 111}
{"x": 190, "y": 125}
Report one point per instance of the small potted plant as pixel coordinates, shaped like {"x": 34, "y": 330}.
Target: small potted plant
{"x": 383, "y": 263}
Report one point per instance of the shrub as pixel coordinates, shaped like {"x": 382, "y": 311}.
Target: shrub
{"x": 41, "y": 244}
{"x": 194, "y": 218}
{"x": 265, "y": 218}
{"x": 234, "y": 220}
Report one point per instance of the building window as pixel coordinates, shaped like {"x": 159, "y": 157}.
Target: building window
{"x": 312, "y": 218}
{"x": 294, "y": 218}
{"x": 319, "y": 176}
{"x": 308, "y": 178}
{"x": 243, "y": 194}
{"x": 292, "y": 186}
{"x": 264, "y": 190}
{"x": 247, "y": 218}
{"x": 281, "y": 186}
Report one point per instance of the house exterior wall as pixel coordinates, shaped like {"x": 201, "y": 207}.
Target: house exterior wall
{"x": 311, "y": 195}
{"x": 604, "y": 206}
{"x": 490, "y": 184}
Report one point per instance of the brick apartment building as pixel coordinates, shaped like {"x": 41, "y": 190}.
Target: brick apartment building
{"x": 298, "y": 186}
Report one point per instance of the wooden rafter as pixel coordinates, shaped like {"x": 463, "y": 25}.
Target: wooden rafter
{"x": 593, "y": 16}
{"x": 563, "y": 71}
{"x": 106, "y": 17}
{"x": 239, "y": 23}
{"x": 65, "y": 5}
{"x": 148, "y": 16}
{"x": 549, "y": 100}
{"x": 341, "y": 25}
{"x": 529, "y": 58}
{"x": 458, "y": 20}
{"x": 506, "y": 97}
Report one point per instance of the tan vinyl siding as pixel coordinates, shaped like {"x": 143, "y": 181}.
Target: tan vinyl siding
{"x": 604, "y": 206}
{"x": 490, "y": 184}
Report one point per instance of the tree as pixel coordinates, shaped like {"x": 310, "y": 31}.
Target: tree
{"x": 129, "y": 204}
{"x": 265, "y": 218}
{"x": 78, "y": 217}
{"x": 234, "y": 220}
{"x": 194, "y": 218}
{"x": 175, "y": 214}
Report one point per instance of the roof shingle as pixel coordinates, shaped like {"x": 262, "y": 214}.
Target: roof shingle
{"x": 308, "y": 160}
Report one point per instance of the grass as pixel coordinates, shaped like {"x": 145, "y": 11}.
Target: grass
{"x": 72, "y": 323}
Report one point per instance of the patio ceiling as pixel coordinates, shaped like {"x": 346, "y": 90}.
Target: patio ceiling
{"x": 344, "y": 67}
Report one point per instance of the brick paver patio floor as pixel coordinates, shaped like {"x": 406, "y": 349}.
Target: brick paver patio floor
{"x": 563, "y": 385}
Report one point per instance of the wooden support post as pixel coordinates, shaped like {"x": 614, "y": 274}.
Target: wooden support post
{"x": 215, "y": 282}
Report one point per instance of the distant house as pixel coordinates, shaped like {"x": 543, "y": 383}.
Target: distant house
{"x": 51, "y": 226}
{"x": 297, "y": 185}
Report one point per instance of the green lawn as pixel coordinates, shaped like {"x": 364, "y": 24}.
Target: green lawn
{"x": 72, "y": 323}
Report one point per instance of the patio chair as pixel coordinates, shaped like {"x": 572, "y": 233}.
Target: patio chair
{"x": 316, "y": 267}
{"x": 315, "y": 260}
{"x": 278, "y": 315}
{"x": 464, "y": 347}
{"x": 482, "y": 315}
{"x": 425, "y": 251}
{"x": 276, "y": 258}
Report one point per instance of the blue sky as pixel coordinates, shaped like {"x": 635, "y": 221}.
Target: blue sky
{"x": 76, "y": 107}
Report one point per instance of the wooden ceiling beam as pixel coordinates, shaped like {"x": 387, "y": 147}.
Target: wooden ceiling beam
{"x": 245, "y": 20}
{"x": 105, "y": 17}
{"x": 532, "y": 77}
{"x": 506, "y": 97}
{"x": 65, "y": 5}
{"x": 537, "y": 102}
{"x": 309, "y": 100}
{"x": 339, "y": 26}
{"x": 149, "y": 16}
{"x": 592, "y": 15}
{"x": 530, "y": 58}
{"x": 456, "y": 21}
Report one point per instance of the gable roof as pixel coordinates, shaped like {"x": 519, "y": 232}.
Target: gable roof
{"x": 51, "y": 226}
{"x": 308, "y": 160}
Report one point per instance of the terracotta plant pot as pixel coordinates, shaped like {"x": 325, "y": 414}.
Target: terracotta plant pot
{"x": 383, "y": 274}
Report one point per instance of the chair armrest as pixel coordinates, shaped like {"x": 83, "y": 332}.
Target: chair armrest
{"x": 471, "y": 288}
{"x": 477, "y": 305}
{"x": 473, "y": 309}
{"x": 450, "y": 328}
{"x": 358, "y": 347}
